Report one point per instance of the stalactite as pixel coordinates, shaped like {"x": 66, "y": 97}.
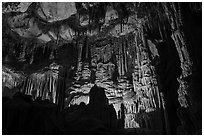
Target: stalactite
{"x": 160, "y": 31}
{"x": 32, "y": 58}
{"x": 22, "y": 54}
{"x": 144, "y": 78}
{"x": 168, "y": 15}
{"x": 51, "y": 55}
{"x": 176, "y": 17}
{"x": 118, "y": 56}
{"x": 186, "y": 65}
{"x": 125, "y": 55}
{"x": 43, "y": 83}
{"x": 121, "y": 57}
{"x": 179, "y": 15}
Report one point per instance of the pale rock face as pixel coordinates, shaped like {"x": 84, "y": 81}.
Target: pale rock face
{"x": 44, "y": 38}
{"x": 152, "y": 48}
{"x": 110, "y": 14}
{"x": 55, "y": 11}
{"x": 51, "y": 12}
{"x": 24, "y": 6}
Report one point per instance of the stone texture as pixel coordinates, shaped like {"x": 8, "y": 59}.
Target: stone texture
{"x": 186, "y": 66}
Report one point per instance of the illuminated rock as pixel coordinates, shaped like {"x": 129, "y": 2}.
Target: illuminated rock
{"x": 45, "y": 84}
{"x": 10, "y": 78}
{"x": 55, "y": 11}
{"x": 186, "y": 66}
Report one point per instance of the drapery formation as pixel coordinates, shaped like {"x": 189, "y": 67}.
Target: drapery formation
{"x": 125, "y": 67}
{"x": 43, "y": 85}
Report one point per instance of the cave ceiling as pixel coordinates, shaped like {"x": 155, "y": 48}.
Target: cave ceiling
{"x": 47, "y": 22}
{"x": 29, "y": 26}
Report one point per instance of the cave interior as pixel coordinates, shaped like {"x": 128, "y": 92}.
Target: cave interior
{"x": 102, "y": 68}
